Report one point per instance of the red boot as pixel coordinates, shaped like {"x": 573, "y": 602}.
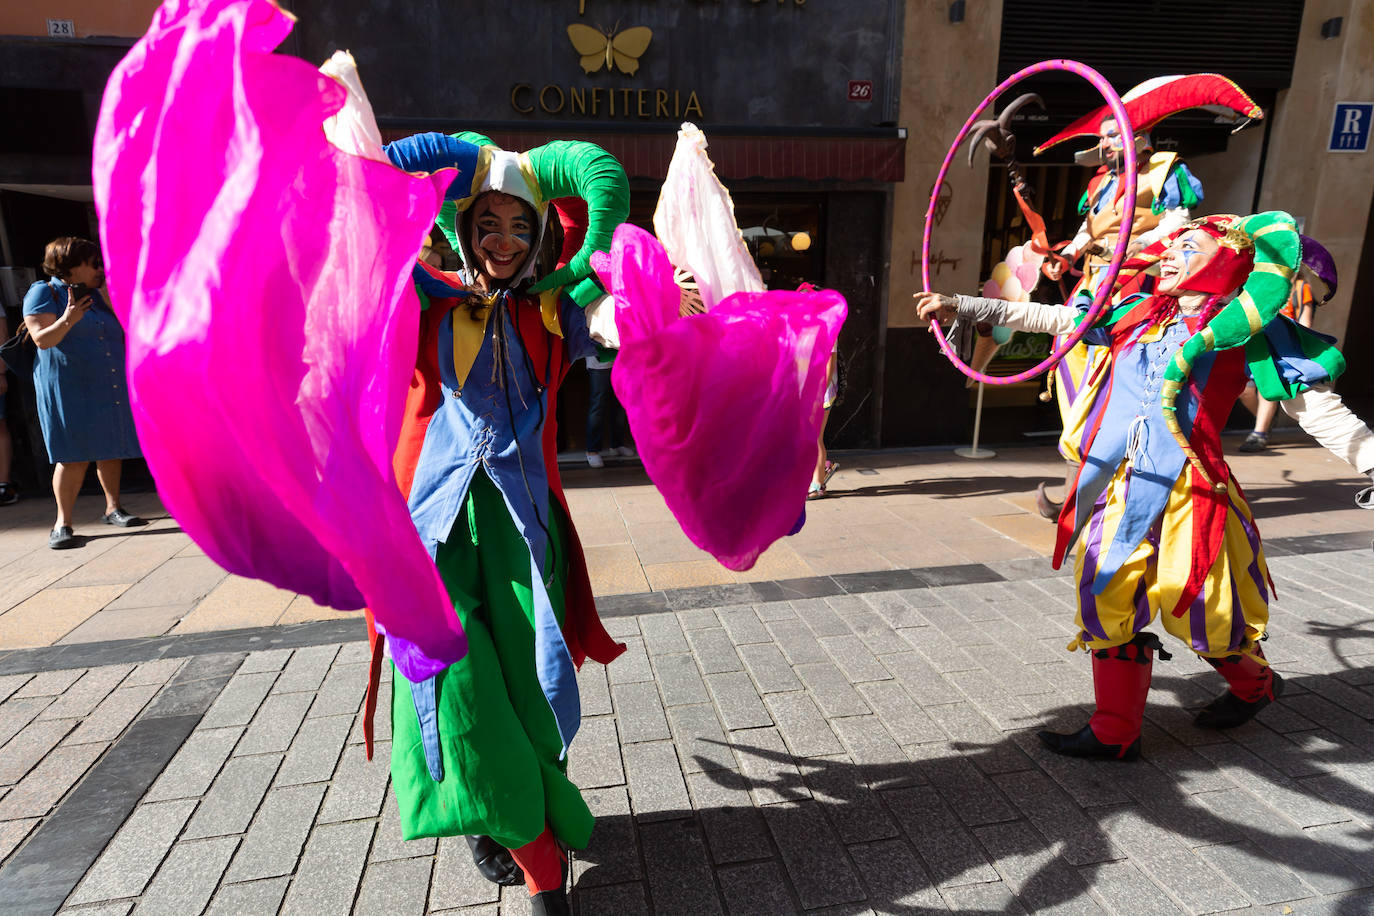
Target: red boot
{"x": 1121, "y": 681}
{"x": 1252, "y": 687}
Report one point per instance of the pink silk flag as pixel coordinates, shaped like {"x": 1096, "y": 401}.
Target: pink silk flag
{"x": 725, "y": 407}
{"x": 263, "y": 277}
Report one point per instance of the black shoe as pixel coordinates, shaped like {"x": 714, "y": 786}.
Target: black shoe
{"x": 550, "y": 903}
{"x": 1229, "y": 710}
{"x": 63, "y": 539}
{"x": 122, "y": 519}
{"x": 494, "y": 861}
{"x": 8, "y": 494}
{"x": 1083, "y": 743}
{"x": 1255, "y": 442}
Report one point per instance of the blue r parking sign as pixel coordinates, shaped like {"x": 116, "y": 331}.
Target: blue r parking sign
{"x": 1350, "y": 127}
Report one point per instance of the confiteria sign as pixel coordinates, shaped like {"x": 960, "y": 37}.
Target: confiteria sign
{"x": 599, "y": 102}
{"x": 614, "y": 50}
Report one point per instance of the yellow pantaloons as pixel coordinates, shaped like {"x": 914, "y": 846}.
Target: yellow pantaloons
{"x": 1228, "y": 617}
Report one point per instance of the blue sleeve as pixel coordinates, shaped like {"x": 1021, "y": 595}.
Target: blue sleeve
{"x": 434, "y": 151}
{"x": 1181, "y": 189}
{"x": 576, "y": 337}
{"x": 39, "y": 300}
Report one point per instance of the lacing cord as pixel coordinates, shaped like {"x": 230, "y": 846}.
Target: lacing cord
{"x": 501, "y": 348}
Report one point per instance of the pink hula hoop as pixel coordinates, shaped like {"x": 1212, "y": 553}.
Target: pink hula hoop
{"x": 1123, "y": 236}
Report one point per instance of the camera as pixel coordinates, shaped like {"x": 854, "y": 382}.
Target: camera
{"x": 80, "y": 291}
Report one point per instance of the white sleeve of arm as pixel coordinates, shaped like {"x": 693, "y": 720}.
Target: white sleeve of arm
{"x": 1019, "y": 316}
{"x": 1040, "y": 318}
{"x": 1171, "y": 220}
{"x": 1080, "y": 241}
{"x": 601, "y": 323}
{"x": 1323, "y": 416}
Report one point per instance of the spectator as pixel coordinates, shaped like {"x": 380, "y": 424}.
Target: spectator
{"x": 79, "y": 382}
{"x": 601, "y": 401}
{"x": 825, "y": 468}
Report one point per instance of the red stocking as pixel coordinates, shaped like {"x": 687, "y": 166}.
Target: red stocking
{"x": 1247, "y": 678}
{"x": 542, "y": 861}
{"x": 1121, "y": 680}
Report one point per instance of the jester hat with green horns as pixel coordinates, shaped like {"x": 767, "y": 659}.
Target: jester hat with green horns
{"x": 1258, "y": 253}
{"x": 559, "y": 169}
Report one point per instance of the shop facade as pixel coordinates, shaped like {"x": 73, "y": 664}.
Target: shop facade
{"x": 827, "y": 122}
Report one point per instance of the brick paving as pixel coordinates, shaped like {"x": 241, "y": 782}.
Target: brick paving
{"x": 860, "y": 753}
{"x": 838, "y": 739}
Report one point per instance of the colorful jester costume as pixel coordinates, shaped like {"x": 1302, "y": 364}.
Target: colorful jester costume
{"x": 1161, "y": 525}
{"x": 1166, "y": 191}
{"x": 480, "y": 748}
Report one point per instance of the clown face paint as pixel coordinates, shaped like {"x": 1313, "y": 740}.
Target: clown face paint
{"x": 502, "y": 233}
{"x": 1111, "y": 144}
{"x": 1187, "y": 257}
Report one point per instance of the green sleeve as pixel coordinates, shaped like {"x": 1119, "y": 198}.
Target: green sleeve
{"x": 1265, "y": 364}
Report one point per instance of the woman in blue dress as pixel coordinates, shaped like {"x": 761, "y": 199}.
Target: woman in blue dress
{"x": 79, "y": 382}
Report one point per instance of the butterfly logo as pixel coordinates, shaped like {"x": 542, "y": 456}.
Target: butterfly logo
{"x": 610, "y": 49}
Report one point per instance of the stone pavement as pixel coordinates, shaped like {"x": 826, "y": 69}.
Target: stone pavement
{"x": 887, "y": 511}
{"x": 837, "y": 740}
{"x": 869, "y": 751}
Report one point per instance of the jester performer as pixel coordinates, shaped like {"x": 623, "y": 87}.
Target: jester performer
{"x": 480, "y": 748}
{"x": 1161, "y": 525}
{"x": 400, "y": 453}
{"x": 1166, "y": 193}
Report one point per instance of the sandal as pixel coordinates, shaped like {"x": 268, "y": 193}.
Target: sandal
{"x": 830, "y": 468}
{"x": 816, "y": 491}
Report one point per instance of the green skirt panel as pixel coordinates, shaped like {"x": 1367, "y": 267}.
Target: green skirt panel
{"x": 498, "y": 739}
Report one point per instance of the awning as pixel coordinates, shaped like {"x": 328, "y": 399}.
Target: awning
{"x": 827, "y": 157}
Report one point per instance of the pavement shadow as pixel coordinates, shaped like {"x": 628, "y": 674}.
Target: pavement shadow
{"x": 1269, "y": 809}
{"x": 950, "y": 487}
{"x": 1298, "y": 499}
{"x": 138, "y": 531}
{"x": 1338, "y": 637}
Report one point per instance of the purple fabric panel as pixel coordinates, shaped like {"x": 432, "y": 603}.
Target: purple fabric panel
{"x": 1253, "y": 537}
{"x": 1091, "y": 547}
{"x": 1142, "y": 605}
{"x": 1066, "y": 379}
{"x": 1197, "y": 622}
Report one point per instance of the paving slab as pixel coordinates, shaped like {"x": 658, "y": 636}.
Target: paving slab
{"x": 848, "y": 742}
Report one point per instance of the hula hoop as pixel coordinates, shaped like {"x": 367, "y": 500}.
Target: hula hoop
{"x": 1123, "y": 236}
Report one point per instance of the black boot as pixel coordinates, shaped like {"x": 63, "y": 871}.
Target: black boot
{"x": 1229, "y": 710}
{"x": 494, "y": 861}
{"x": 550, "y": 903}
{"x": 1083, "y": 743}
